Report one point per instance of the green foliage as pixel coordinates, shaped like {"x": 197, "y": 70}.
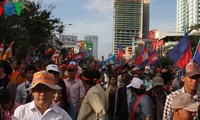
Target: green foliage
{"x": 164, "y": 62}
{"x": 32, "y": 31}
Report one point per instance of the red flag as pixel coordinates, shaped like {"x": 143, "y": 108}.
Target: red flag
{"x": 181, "y": 53}
{"x": 142, "y": 58}
{"x": 153, "y": 57}
{"x": 78, "y": 56}
{"x": 55, "y": 57}
{"x": 120, "y": 53}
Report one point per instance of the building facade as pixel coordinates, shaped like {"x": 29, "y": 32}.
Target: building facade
{"x": 188, "y": 13}
{"x": 94, "y": 40}
{"x": 131, "y": 19}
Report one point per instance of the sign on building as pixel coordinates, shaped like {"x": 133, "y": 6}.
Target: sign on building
{"x": 68, "y": 39}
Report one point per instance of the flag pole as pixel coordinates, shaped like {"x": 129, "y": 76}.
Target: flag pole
{"x": 196, "y": 50}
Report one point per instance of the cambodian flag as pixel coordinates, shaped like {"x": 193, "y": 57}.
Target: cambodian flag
{"x": 181, "y": 53}
{"x": 153, "y": 57}
{"x": 197, "y": 54}
{"x": 142, "y": 58}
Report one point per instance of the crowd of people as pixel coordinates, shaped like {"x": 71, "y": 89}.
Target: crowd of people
{"x": 98, "y": 91}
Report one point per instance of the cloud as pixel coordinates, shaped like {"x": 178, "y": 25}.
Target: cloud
{"x": 102, "y": 6}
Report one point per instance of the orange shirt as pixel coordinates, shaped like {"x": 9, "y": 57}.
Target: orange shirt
{"x": 16, "y": 78}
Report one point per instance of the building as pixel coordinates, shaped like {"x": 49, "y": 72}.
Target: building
{"x": 131, "y": 19}
{"x": 188, "y": 13}
{"x": 94, "y": 40}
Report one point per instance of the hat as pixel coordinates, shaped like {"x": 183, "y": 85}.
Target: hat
{"x": 136, "y": 69}
{"x": 135, "y": 83}
{"x": 185, "y": 101}
{"x": 45, "y": 78}
{"x": 72, "y": 65}
{"x": 191, "y": 69}
{"x": 158, "y": 81}
{"x": 52, "y": 67}
{"x": 147, "y": 67}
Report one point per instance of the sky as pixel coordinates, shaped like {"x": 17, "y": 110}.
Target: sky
{"x": 95, "y": 17}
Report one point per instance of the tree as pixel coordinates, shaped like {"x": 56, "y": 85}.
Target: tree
{"x": 32, "y": 31}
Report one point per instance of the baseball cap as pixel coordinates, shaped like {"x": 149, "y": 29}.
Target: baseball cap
{"x": 158, "y": 81}
{"x": 185, "y": 101}
{"x": 135, "y": 83}
{"x": 191, "y": 69}
{"x": 45, "y": 78}
{"x": 52, "y": 67}
{"x": 72, "y": 65}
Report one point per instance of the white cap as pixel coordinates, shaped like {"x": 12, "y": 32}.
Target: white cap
{"x": 136, "y": 83}
{"x": 52, "y": 67}
{"x": 136, "y": 68}
{"x": 147, "y": 67}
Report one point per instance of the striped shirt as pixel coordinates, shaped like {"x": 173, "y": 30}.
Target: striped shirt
{"x": 168, "y": 111}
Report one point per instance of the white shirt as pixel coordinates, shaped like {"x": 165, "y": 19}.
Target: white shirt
{"x": 30, "y": 111}
{"x": 21, "y": 92}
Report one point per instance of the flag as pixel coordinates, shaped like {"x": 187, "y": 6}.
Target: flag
{"x": 8, "y": 53}
{"x": 56, "y": 56}
{"x": 1, "y": 51}
{"x": 77, "y": 57}
{"x": 49, "y": 51}
{"x": 153, "y": 57}
{"x": 110, "y": 59}
{"x": 196, "y": 57}
{"x": 181, "y": 53}
{"x": 142, "y": 58}
{"x": 120, "y": 53}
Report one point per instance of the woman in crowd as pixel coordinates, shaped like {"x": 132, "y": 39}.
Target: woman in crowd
{"x": 62, "y": 101}
{"x": 5, "y": 81}
{"x": 111, "y": 92}
{"x": 7, "y": 105}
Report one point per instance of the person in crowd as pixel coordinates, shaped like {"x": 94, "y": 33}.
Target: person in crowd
{"x": 184, "y": 107}
{"x": 7, "y": 105}
{"x": 141, "y": 104}
{"x": 43, "y": 88}
{"x": 167, "y": 76}
{"x": 190, "y": 78}
{"x": 125, "y": 69}
{"x": 158, "y": 95}
{"x": 123, "y": 100}
{"x": 94, "y": 104}
{"x": 75, "y": 87}
{"x": 5, "y": 82}
{"x": 148, "y": 81}
{"x": 19, "y": 76}
{"x": 60, "y": 98}
{"x": 62, "y": 69}
{"x": 53, "y": 69}
{"x": 111, "y": 93}
{"x": 93, "y": 65}
{"x": 23, "y": 96}
{"x": 121, "y": 80}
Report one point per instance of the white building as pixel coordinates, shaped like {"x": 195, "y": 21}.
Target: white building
{"x": 94, "y": 40}
{"x": 188, "y": 13}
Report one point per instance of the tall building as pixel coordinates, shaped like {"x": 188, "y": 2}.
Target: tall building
{"x": 94, "y": 40}
{"x": 131, "y": 19}
{"x": 188, "y": 13}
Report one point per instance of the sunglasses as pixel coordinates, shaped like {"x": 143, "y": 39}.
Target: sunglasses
{"x": 71, "y": 70}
